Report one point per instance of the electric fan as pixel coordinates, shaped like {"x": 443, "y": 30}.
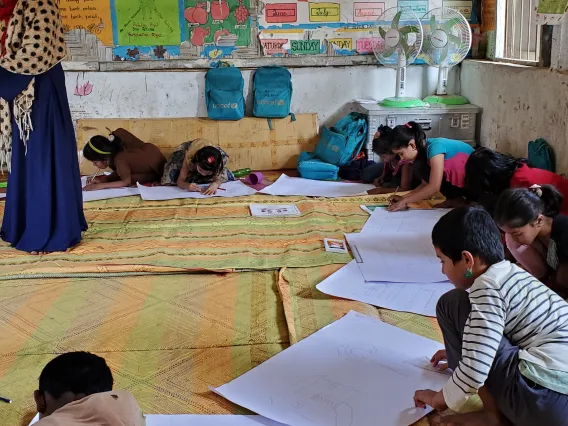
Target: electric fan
{"x": 447, "y": 40}
{"x": 397, "y": 40}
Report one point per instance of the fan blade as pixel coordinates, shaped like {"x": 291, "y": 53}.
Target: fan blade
{"x": 454, "y": 39}
{"x": 408, "y": 29}
{"x": 433, "y": 26}
{"x": 447, "y": 26}
{"x": 405, "y": 47}
{"x": 388, "y": 53}
{"x": 443, "y": 55}
{"x": 396, "y": 20}
{"x": 383, "y": 33}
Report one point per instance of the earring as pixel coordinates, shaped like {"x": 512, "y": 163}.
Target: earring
{"x": 468, "y": 274}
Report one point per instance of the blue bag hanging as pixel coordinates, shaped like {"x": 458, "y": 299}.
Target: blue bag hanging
{"x": 272, "y": 89}
{"x": 341, "y": 144}
{"x": 224, "y": 93}
{"x": 310, "y": 167}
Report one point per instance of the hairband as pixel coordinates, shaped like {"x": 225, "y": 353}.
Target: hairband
{"x": 210, "y": 160}
{"x": 97, "y": 150}
{"x": 537, "y": 189}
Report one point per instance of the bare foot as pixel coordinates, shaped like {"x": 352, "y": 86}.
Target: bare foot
{"x": 478, "y": 418}
{"x": 39, "y": 253}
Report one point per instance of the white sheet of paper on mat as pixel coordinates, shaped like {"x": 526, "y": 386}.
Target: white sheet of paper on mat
{"x": 106, "y": 194}
{"x": 286, "y": 185}
{"x": 405, "y": 221}
{"x": 396, "y": 257}
{"x": 417, "y": 298}
{"x": 201, "y": 420}
{"x": 161, "y": 193}
{"x": 2, "y": 195}
{"x": 352, "y": 372}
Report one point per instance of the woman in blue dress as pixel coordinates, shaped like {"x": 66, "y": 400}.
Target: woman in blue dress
{"x": 44, "y": 206}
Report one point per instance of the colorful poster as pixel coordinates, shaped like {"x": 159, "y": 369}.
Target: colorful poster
{"x": 147, "y": 22}
{"x": 93, "y": 16}
{"x": 224, "y": 23}
{"x": 550, "y": 12}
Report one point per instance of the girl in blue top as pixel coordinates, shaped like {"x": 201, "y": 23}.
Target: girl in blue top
{"x": 439, "y": 162}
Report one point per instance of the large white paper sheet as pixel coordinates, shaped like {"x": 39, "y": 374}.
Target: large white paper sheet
{"x": 417, "y": 298}
{"x": 2, "y": 195}
{"x": 105, "y": 194}
{"x": 200, "y": 420}
{"x": 161, "y": 193}
{"x": 357, "y": 371}
{"x": 286, "y": 185}
{"x": 405, "y": 221}
{"x": 396, "y": 257}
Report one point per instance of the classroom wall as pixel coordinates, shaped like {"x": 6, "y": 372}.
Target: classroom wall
{"x": 519, "y": 104}
{"x": 327, "y": 91}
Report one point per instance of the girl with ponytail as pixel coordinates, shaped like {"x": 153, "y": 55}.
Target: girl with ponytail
{"x": 439, "y": 162}
{"x": 130, "y": 159}
{"x": 531, "y": 218}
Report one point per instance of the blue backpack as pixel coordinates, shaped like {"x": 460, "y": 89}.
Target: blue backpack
{"x": 341, "y": 144}
{"x": 224, "y": 93}
{"x": 310, "y": 167}
{"x": 272, "y": 89}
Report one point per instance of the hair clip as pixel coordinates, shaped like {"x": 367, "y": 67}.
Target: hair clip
{"x": 537, "y": 189}
{"x": 111, "y": 137}
{"x": 408, "y": 125}
{"x": 210, "y": 160}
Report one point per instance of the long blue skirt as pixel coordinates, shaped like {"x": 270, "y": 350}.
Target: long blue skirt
{"x": 44, "y": 202}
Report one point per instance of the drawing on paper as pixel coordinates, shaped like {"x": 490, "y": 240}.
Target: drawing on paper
{"x": 319, "y": 399}
{"x": 147, "y": 22}
{"x": 91, "y": 15}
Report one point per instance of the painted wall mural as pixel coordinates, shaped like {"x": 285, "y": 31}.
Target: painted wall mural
{"x": 131, "y": 30}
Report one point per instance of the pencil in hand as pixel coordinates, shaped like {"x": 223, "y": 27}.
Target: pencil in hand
{"x": 6, "y": 400}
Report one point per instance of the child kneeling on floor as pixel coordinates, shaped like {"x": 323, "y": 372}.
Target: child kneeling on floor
{"x": 76, "y": 389}
{"x": 506, "y": 339}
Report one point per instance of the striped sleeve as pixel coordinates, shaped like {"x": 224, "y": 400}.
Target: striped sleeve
{"x": 481, "y": 338}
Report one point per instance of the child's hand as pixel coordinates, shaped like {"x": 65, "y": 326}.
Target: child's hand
{"x": 378, "y": 182}
{"x": 96, "y": 179}
{"x": 92, "y": 187}
{"x": 193, "y": 187}
{"x": 441, "y": 355}
{"x": 434, "y": 399}
{"x": 212, "y": 189}
{"x": 396, "y": 203}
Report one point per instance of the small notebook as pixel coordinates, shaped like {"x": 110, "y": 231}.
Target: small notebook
{"x": 274, "y": 210}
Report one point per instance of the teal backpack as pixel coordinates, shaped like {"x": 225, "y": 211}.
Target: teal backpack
{"x": 272, "y": 89}
{"x": 541, "y": 155}
{"x": 341, "y": 144}
{"x": 224, "y": 93}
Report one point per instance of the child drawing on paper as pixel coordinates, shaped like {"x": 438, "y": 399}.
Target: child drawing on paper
{"x": 196, "y": 163}
{"x": 76, "y": 388}
{"x": 130, "y": 159}
{"x": 394, "y": 172}
{"x": 531, "y": 218}
{"x": 439, "y": 162}
{"x": 505, "y": 332}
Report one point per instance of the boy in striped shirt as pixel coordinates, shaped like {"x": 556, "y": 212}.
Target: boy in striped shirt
{"x": 506, "y": 339}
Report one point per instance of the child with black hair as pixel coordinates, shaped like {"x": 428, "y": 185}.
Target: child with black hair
{"x": 440, "y": 163}
{"x": 531, "y": 218}
{"x": 394, "y": 172}
{"x": 75, "y": 389}
{"x": 505, "y": 333}
{"x": 488, "y": 173}
{"x": 196, "y": 163}
{"x": 130, "y": 159}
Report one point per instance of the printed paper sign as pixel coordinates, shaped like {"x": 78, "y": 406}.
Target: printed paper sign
{"x": 463, "y": 7}
{"x": 324, "y": 12}
{"x": 419, "y": 7}
{"x": 305, "y": 47}
{"x": 342, "y": 43}
{"x": 273, "y": 46}
{"x": 366, "y": 45}
{"x": 277, "y": 13}
{"x": 365, "y": 12}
